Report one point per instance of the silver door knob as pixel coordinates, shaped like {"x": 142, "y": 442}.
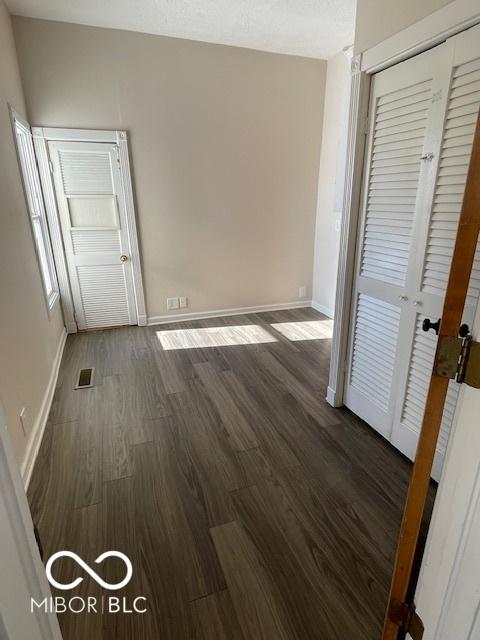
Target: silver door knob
{"x": 417, "y": 303}
{"x": 123, "y": 258}
{"x": 403, "y": 298}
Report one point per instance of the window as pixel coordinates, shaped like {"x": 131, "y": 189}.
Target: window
{"x": 36, "y": 208}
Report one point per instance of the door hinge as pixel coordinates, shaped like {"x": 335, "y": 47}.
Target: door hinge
{"x": 458, "y": 359}
{"x": 405, "y": 616}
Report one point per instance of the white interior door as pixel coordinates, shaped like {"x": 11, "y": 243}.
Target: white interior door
{"x": 89, "y": 194}
{"x": 411, "y": 210}
{"x": 405, "y": 114}
{"x": 435, "y": 249}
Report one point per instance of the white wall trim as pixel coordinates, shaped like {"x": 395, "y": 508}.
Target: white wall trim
{"x": 422, "y": 35}
{"x": 132, "y": 227}
{"x": 78, "y": 135}
{"x": 358, "y": 111}
{"x": 321, "y": 308}
{"x": 217, "y": 313}
{"x": 56, "y": 239}
{"x": 36, "y": 434}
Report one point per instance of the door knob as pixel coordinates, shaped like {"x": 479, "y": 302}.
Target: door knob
{"x": 428, "y": 324}
{"x": 403, "y": 298}
{"x": 464, "y": 331}
{"x": 417, "y": 303}
{"x": 123, "y": 258}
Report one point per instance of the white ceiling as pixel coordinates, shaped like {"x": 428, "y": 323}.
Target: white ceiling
{"x": 313, "y": 28}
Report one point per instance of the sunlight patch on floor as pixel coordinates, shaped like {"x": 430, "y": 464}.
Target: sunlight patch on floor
{"x": 305, "y": 330}
{"x": 214, "y": 337}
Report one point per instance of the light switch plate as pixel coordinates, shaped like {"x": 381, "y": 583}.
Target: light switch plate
{"x": 183, "y": 302}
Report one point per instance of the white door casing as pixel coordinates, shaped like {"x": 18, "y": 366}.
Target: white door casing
{"x": 88, "y": 187}
{"x": 391, "y": 397}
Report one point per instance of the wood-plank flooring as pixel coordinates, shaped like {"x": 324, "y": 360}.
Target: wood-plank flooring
{"x": 250, "y": 509}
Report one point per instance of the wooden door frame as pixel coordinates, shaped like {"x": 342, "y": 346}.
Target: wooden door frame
{"x": 425, "y": 34}
{"x": 456, "y": 503}
{"x": 41, "y": 137}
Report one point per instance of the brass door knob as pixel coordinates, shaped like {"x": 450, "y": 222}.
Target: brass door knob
{"x": 123, "y": 258}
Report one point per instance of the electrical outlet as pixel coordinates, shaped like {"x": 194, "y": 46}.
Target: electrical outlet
{"x": 302, "y": 292}
{"x": 23, "y": 420}
{"x": 183, "y": 300}
{"x": 172, "y": 303}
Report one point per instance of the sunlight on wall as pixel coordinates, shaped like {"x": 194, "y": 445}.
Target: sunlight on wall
{"x": 214, "y": 337}
{"x": 309, "y": 330}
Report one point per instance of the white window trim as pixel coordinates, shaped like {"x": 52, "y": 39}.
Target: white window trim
{"x": 52, "y": 296}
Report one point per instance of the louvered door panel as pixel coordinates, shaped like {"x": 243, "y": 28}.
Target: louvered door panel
{"x": 463, "y": 105}
{"x": 403, "y": 113}
{"x": 104, "y": 295}
{"x": 86, "y": 172}
{"x": 461, "y": 96}
{"x": 398, "y": 136}
{"x": 372, "y": 360}
{"x": 375, "y": 343}
{"x": 420, "y": 370}
{"x": 88, "y": 184}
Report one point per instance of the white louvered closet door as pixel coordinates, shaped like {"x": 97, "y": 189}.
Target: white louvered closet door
{"x": 88, "y": 188}
{"x": 435, "y": 249}
{"x": 406, "y": 114}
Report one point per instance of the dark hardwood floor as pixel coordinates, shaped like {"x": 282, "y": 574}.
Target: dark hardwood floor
{"x": 250, "y": 509}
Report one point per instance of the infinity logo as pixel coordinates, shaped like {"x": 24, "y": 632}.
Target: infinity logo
{"x": 93, "y": 574}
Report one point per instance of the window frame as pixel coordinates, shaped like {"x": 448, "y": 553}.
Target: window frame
{"x": 37, "y": 214}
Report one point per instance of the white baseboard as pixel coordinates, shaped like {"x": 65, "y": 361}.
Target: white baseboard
{"x": 333, "y": 398}
{"x": 200, "y": 315}
{"x": 71, "y": 327}
{"x": 36, "y": 434}
{"x": 322, "y": 309}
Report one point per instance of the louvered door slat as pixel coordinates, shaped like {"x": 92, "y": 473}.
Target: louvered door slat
{"x": 463, "y": 105}
{"x": 375, "y": 342}
{"x": 421, "y": 364}
{"x": 400, "y": 121}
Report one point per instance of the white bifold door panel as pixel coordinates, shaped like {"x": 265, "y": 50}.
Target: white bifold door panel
{"x": 88, "y": 188}
{"x": 421, "y": 125}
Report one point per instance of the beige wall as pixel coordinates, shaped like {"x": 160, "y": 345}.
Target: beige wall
{"x": 28, "y": 337}
{"x": 377, "y": 20}
{"x": 225, "y": 149}
{"x": 327, "y": 229}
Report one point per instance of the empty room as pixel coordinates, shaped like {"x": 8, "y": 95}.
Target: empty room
{"x": 239, "y": 381}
